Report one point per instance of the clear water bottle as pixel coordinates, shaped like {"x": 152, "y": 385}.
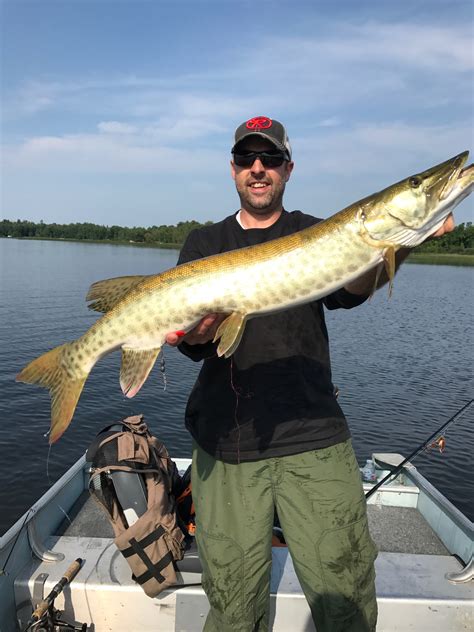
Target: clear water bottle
{"x": 368, "y": 472}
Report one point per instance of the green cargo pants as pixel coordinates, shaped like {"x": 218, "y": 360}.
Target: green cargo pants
{"x": 321, "y": 506}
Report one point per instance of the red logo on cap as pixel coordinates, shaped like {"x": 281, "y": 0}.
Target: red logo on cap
{"x": 259, "y": 122}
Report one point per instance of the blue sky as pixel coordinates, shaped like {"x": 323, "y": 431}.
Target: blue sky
{"x": 122, "y": 112}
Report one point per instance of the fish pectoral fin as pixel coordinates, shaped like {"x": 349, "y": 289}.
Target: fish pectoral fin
{"x": 135, "y": 368}
{"x": 107, "y": 293}
{"x": 388, "y": 252}
{"x": 378, "y": 272}
{"x": 229, "y": 334}
{"x": 389, "y": 262}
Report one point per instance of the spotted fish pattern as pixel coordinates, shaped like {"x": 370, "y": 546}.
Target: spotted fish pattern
{"x": 139, "y": 311}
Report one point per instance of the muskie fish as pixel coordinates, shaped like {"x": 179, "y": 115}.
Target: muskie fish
{"x": 140, "y": 310}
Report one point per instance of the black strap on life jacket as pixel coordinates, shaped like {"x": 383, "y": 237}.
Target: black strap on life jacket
{"x": 137, "y": 547}
{"x": 153, "y": 569}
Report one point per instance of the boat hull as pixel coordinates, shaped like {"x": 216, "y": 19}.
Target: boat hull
{"x": 412, "y": 591}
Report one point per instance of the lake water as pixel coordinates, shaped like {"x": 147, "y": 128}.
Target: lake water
{"x": 403, "y": 366}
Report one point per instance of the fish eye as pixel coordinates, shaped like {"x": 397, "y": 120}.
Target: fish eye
{"x": 415, "y": 181}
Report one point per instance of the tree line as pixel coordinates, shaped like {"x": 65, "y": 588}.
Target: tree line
{"x": 460, "y": 240}
{"x": 157, "y": 235}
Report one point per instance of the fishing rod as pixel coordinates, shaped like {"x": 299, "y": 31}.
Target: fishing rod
{"x": 45, "y": 618}
{"x": 419, "y": 449}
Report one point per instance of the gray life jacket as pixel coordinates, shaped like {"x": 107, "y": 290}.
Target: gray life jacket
{"x": 132, "y": 478}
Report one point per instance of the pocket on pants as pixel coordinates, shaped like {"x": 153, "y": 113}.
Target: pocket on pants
{"x": 347, "y": 558}
{"x": 223, "y": 570}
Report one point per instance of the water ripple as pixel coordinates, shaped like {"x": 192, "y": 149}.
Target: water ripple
{"x": 403, "y": 367}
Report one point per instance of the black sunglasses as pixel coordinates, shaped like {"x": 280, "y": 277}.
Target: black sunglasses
{"x": 268, "y": 159}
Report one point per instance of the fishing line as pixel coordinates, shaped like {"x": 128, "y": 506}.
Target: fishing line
{"x": 29, "y": 513}
{"x": 50, "y": 482}
{"x": 20, "y": 531}
{"x": 47, "y": 464}
{"x": 237, "y": 394}
{"x": 419, "y": 449}
{"x": 163, "y": 368}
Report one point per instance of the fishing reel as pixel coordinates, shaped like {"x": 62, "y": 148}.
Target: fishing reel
{"x": 51, "y": 621}
{"x": 47, "y": 618}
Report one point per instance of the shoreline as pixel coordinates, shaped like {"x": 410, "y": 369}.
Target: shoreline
{"x": 109, "y": 242}
{"x": 437, "y": 258}
{"x": 427, "y": 258}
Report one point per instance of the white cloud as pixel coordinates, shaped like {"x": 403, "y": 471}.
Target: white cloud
{"x": 105, "y": 153}
{"x": 442, "y": 49}
{"x": 362, "y": 149}
{"x": 332, "y": 121}
{"x": 340, "y": 64}
{"x": 372, "y": 150}
{"x": 416, "y": 46}
{"x": 363, "y": 102}
{"x": 359, "y": 66}
{"x": 115, "y": 127}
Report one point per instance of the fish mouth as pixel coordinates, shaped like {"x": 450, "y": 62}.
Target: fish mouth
{"x": 448, "y": 184}
{"x": 467, "y": 173}
{"x": 463, "y": 184}
{"x": 455, "y": 174}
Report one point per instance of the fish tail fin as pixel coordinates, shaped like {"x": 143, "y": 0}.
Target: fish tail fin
{"x": 50, "y": 370}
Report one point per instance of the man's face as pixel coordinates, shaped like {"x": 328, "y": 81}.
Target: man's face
{"x": 260, "y": 188}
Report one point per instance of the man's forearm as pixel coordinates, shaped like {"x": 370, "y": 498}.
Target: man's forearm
{"x": 198, "y": 352}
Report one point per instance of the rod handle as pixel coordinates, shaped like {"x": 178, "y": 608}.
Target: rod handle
{"x": 67, "y": 578}
{"x": 72, "y": 570}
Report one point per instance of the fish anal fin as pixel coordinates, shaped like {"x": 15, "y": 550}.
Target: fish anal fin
{"x": 107, "y": 293}
{"x": 135, "y": 368}
{"x": 390, "y": 266}
{"x": 229, "y": 334}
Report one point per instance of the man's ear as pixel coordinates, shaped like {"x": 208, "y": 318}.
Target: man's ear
{"x": 232, "y": 169}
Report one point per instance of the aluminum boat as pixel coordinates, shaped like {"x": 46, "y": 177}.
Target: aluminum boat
{"x": 424, "y": 568}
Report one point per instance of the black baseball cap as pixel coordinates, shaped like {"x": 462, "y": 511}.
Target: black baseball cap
{"x": 267, "y": 128}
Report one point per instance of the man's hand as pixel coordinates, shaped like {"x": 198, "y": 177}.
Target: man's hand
{"x": 202, "y": 333}
{"x": 447, "y": 227}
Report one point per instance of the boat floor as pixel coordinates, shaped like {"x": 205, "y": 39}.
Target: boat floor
{"x": 412, "y": 593}
{"x": 393, "y": 529}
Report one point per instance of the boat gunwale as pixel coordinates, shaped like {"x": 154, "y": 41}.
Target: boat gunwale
{"x": 43, "y": 501}
{"x": 419, "y": 485}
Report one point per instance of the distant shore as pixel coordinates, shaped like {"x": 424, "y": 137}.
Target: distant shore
{"x": 437, "y": 258}
{"x": 427, "y": 258}
{"x": 109, "y": 242}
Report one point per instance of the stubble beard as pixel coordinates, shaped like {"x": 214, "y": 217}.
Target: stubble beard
{"x": 272, "y": 201}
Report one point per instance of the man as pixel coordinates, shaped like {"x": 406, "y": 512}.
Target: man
{"x": 268, "y": 431}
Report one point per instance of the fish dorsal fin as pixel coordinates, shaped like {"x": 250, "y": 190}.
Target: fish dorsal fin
{"x": 135, "y": 368}
{"x": 230, "y": 333}
{"x": 106, "y": 294}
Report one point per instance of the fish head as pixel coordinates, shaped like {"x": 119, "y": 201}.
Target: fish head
{"x": 414, "y": 208}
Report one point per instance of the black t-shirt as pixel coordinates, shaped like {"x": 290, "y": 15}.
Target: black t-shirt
{"x": 274, "y": 396}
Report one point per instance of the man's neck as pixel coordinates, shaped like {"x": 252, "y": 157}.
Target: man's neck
{"x": 247, "y": 219}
